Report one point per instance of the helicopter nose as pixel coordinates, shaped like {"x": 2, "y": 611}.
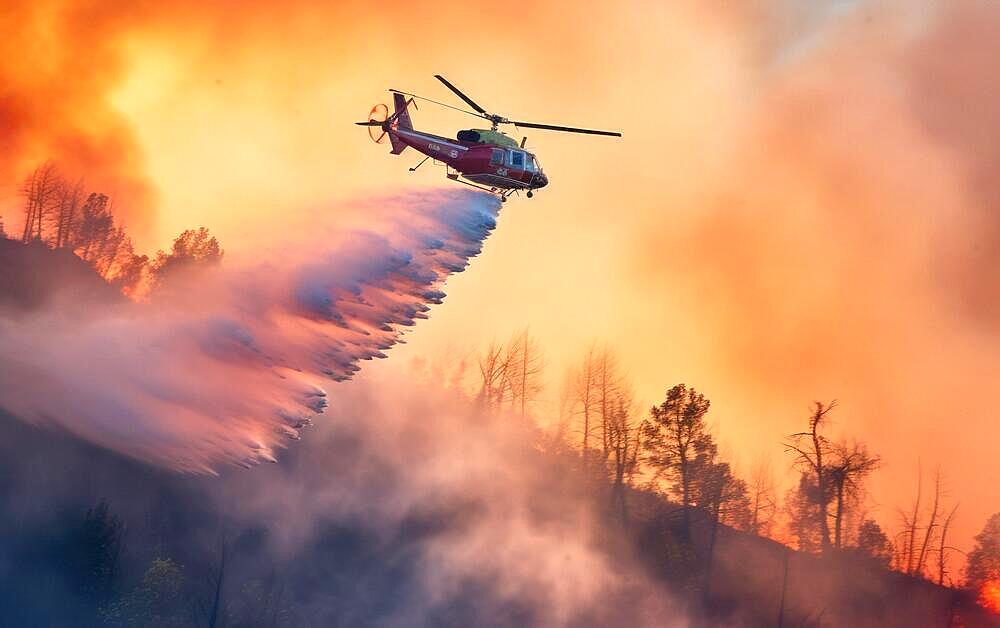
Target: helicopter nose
{"x": 541, "y": 181}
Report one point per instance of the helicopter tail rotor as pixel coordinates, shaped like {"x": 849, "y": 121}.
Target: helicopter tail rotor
{"x": 376, "y": 123}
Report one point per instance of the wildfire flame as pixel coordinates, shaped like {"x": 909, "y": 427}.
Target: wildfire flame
{"x": 989, "y": 596}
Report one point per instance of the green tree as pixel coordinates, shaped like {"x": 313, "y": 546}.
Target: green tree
{"x": 674, "y": 436}
{"x": 262, "y": 603}
{"x": 803, "y": 515}
{"x": 95, "y": 550}
{"x": 722, "y": 496}
{"x": 192, "y": 249}
{"x": 873, "y": 543}
{"x": 156, "y": 601}
{"x": 984, "y": 560}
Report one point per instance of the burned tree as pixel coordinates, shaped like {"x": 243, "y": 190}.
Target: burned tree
{"x": 932, "y": 524}
{"x": 763, "y": 501}
{"x": 906, "y": 550}
{"x": 812, "y": 451}
{"x": 917, "y": 538}
{"x": 67, "y": 214}
{"x": 850, "y": 465}
{"x": 511, "y": 374}
{"x": 942, "y": 556}
{"x": 40, "y": 191}
{"x": 624, "y": 439}
{"x": 524, "y": 369}
{"x": 584, "y": 400}
{"x": 493, "y": 376}
{"x": 608, "y": 386}
{"x": 596, "y": 385}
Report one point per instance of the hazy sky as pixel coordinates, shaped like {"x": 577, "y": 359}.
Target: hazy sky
{"x": 799, "y": 208}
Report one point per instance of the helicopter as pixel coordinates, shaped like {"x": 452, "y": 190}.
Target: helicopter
{"x": 488, "y": 159}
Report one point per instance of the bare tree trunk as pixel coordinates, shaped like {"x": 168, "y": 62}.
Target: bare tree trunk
{"x": 584, "y": 390}
{"x": 38, "y": 191}
{"x": 824, "y": 523}
{"x": 710, "y": 559}
{"x": 839, "y": 516}
{"x": 912, "y": 527}
{"x": 524, "y": 373}
{"x": 218, "y": 581}
{"x": 29, "y": 206}
{"x": 784, "y": 589}
{"x": 686, "y": 496}
{"x": 762, "y": 487}
{"x": 931, "y": 524}
{"x": 606, "y": 388}
{"x": 942, "y": 562}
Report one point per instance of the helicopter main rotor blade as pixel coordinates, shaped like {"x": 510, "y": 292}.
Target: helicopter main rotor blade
{"x": 550, "y": 127}
{"x": 459, "y": 93}
{"x": 466, "y": 111}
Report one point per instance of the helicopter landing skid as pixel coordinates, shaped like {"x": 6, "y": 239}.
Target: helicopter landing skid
{"x": 500, "y": 195}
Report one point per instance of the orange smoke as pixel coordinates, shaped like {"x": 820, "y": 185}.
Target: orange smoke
{"x": 800, "y": 208}
{"x": 60, "y": 61}
{"x": 847, "y": 250}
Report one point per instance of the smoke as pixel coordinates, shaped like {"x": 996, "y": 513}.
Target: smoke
{"x": 444, "y": 514}
{"x": 61, "y": 59}
{"x": 847, "y": 249}
{"x": 227, "y": 364}
{"x": 499, "y": 528}
{"x": 408, "y": 506}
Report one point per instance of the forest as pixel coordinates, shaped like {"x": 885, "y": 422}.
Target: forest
{"x": 63, "y": 215}
{"x": 93, "y": 539}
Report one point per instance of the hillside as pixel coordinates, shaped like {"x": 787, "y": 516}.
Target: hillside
{"x": 32, "y": 274}
{"x": 68, "y": 508}
{"x": 750, "y": 575}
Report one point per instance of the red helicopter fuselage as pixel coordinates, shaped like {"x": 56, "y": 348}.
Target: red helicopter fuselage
{"x": 492, "y": 165}
{"x": 487, "y": 158}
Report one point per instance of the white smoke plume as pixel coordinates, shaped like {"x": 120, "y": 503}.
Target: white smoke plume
{"x": 231, "y": 363}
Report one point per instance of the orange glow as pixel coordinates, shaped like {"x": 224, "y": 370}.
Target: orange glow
{"x": 989, "y": 596}
{"x": 800, "y": 208}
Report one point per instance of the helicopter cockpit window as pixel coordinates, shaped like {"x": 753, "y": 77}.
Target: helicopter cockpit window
{"x": 497, "y": 158}
{"x": 529, "y": 162}
{"x": 517, "y": 159}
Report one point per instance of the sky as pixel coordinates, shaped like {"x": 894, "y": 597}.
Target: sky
{"x": 799, "y": 208}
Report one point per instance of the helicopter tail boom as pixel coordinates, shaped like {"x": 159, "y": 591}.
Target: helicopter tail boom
{"x": 400, "y": 120}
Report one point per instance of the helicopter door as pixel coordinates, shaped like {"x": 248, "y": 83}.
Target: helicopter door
{"x": 497, "y": 158}
{"x": 517, "y": 159}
